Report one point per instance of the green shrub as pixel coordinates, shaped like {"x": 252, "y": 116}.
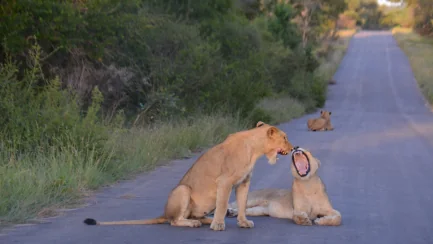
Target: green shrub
{"x": 277, "y": 109}
{"x": 281, "y": 26}
{"x": 91, "y": 91}
{"x": 37, "y": 114}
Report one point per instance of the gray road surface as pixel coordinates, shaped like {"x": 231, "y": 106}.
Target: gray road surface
{"x": 377, "y": 165}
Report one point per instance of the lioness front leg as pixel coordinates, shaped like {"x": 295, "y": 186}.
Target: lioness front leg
{"x": 331, "y": 218}
{"x": 301, "y": 218}
{"x": 222, "y": 201}
{"x": 241, "y": 199}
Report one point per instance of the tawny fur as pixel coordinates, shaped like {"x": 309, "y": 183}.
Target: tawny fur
{"x": 307, "y": 202}
{"x": 322, "y": 123}
{"x": 208, "y": 183}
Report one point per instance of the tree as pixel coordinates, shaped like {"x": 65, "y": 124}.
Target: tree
{"x": 318, "y": 17}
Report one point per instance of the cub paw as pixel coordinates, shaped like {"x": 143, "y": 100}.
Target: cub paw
{"x": 245, "y": 223}
{"x": 301, "y": 218}
{"x": 232, "y": 212}
{"x": 217, "y": 226}
{"x": 195, "y": 223}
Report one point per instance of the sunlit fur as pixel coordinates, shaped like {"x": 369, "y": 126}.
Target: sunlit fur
{"x": 305, "y": 203}
{"x": 208, "y": 183}
{"x": 321, "y": 123}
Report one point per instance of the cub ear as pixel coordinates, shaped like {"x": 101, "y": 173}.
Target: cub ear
{"x": 272, "y": 131}
{"x": 330, "y": 113}
{"x": 260, "y": 123}
{"x": 321, "y": 111}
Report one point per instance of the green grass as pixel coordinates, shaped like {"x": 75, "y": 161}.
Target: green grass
{"x": 37, "y": 184}
{"x": 419, "y": 50}
{"x": 329, "y": 66}
{"x": 280, "y": 109}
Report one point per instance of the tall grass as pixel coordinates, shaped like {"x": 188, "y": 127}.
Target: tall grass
{"x": 419, "y": 50}
{"x": 330, "y": 65}
{"x": 278, "y": 109}
{"x": 51, "y": 154}
{"x": 36, "y": 184}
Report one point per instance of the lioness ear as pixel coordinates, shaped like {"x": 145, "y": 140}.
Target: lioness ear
{"x": 321, "y": 111}
{"x": 272, "y": 131}
{"x": 330, "y": 113}
{"x": 260, "y": 123}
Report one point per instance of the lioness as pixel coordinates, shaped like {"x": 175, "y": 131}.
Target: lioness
{"x": 208, "y": 183}
{"x": 321, "y": 123}
{"x": 306, "y": 201}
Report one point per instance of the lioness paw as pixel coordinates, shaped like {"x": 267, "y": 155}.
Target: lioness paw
{"x": 245, "y": 223}
{"x": 218, "y": 226}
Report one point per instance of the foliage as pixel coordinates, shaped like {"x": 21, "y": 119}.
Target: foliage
{"x": 91, "y": 90}
{"x": 36, "y": 118}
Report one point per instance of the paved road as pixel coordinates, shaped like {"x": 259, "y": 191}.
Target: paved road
{"x": 377, "y": 165}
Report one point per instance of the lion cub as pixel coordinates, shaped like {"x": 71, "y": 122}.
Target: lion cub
{"x": 306, "y": 202}
{"x": 321, "y": 123}
{"x": 207, "y": 185}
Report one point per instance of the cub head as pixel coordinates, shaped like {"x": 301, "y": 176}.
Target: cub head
{"x": 304, "y": 165}
{"x": 276, "y": 142}
{"x": 325, "y": 114}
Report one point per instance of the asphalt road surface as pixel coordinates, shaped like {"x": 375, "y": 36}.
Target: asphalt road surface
{"x": 377, "y": 165}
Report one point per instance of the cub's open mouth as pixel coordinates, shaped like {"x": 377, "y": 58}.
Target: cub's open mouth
{"x": 300, "y": 161}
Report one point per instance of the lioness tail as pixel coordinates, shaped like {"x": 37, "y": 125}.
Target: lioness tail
{"x": 159, "y": 220}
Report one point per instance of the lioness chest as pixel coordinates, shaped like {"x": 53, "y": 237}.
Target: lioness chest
{"x": 243, "y": 174}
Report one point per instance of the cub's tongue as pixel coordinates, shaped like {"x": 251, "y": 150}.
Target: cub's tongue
{"x": 301, "y": 166}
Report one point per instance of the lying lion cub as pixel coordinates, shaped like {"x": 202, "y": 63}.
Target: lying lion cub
{"x": 306, "y": 201}
{"x": 321, "y": 123}
{"x": 208, "y": 183}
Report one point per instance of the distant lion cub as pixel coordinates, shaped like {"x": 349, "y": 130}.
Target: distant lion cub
{"x": 321, "y": 123}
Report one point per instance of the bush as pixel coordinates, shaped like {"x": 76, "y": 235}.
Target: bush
{"x": 91, "y": 91}
{"x": 37, "y": 117}
{"x": 274, "y": 110}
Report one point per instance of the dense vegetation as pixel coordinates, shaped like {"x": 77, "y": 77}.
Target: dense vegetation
{"x": 93, "y": 89}
{"x": 416, "y": 14}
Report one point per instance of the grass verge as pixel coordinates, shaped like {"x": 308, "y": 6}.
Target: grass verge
{"x": 36, "y": 184}
{"x": 419, "y": 51}
{"x": 338, "y": 48}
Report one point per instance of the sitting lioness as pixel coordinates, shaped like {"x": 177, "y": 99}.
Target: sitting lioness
{"x": 208, "y": 183}
{"x": 306, "y": 202}
{"x": 321, "y": 123}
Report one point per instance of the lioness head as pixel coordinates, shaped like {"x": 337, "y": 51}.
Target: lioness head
{"x": 304, "y": 165}
{"x": 325, "y": 114}
{"x": 276, "y": 142}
